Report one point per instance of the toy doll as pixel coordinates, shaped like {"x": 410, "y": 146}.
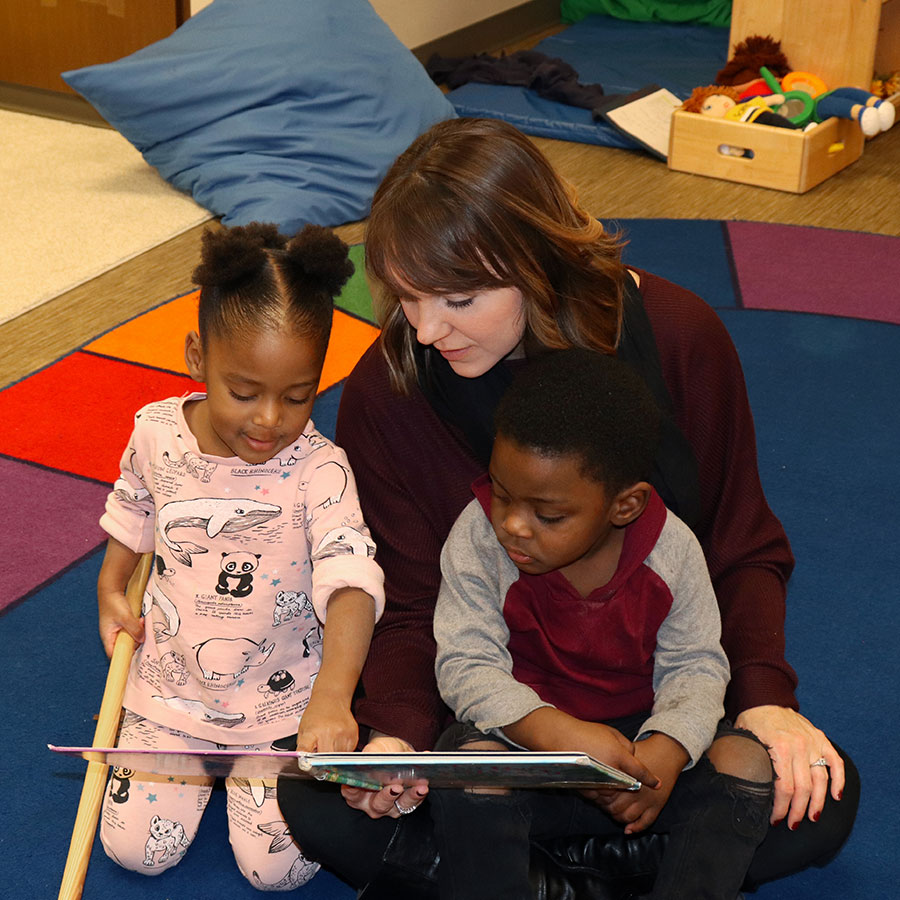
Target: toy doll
{"x": 872, "y": 113}
{"x": 723, "y": 101}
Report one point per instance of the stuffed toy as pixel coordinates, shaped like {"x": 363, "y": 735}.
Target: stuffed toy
{"x": 756, "y": 67}
{"x": 810, "y": 102}
{"x": 872, "y": 114}
{"x": 724, "y": 102}
{"x": 749, "y": 57}
{"x": 885, "y": 86}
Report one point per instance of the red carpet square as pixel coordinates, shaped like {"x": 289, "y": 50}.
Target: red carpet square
{"x": 56, "y": 518}
{"x": 77, "y": 415}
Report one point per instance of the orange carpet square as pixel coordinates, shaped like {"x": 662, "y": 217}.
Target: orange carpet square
{"x": 350, "y": 338}
{"x": 154, "y": 339}
{"x": 157, "y": 339}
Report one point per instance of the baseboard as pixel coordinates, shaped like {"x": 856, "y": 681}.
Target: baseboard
{"x": 493, "y": 33}
{"x": 53, "y": 104}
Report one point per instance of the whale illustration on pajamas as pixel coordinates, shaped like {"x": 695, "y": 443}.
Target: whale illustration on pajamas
{"x": 214, "y": 515}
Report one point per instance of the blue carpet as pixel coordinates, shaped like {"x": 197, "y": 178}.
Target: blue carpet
{"x": 824, "y": 394}
{"x": 823, "y": 391}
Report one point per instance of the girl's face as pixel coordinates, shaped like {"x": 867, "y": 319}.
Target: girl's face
{"x": 472, "y": 331}
{"x": 260, "y": 391}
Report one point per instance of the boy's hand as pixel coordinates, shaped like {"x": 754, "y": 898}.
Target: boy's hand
{"x": 115, "y": 615}
{"x": 639, "y": 810}
{"x": 548, "y": 728}
{"x": 608, "y": 745}
{"x": 327, "y": 726}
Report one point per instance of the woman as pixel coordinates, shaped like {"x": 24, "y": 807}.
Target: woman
{"x": 484, "y": 258}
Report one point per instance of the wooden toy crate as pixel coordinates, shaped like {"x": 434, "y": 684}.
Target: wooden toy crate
{"x": 782, "y": 158}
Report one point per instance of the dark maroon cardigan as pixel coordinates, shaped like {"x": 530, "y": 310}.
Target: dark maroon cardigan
{"x": 414, "y": 476}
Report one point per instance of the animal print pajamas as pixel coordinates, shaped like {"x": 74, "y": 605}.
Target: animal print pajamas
{"x": 247, "y": 557}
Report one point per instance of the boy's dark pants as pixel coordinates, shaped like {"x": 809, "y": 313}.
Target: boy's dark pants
{"x": 397, "y": 858}
{"x": 714, "y": 824}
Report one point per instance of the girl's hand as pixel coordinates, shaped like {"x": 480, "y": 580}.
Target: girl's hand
{"x": 327, "y": 726}
{"x": 115, "y": 615}
{"x": 377, "y": 804}
{"x": 794, "y": 744}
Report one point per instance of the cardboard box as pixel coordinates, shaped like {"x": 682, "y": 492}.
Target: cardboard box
{"x": 781, "y": 158}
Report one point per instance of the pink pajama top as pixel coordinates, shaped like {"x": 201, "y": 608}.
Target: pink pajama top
{"x": 246, "y": 559}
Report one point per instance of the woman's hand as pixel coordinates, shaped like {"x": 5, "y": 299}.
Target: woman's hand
{"x": 795, "y": 744}
{"x": 385, "y": 802}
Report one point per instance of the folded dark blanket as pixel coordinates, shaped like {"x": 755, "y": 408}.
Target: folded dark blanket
{"x": 551, "y": 78}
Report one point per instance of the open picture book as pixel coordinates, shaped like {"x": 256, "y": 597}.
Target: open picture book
{"x": 373, "y": 770}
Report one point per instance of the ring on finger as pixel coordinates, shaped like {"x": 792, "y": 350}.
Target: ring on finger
{"x": 821, "y": 761}
{"x": 405, "y": 810}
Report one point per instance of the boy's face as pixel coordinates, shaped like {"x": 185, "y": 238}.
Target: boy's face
{"x": 545, "y": 513}
{"x": 260, "y": 391}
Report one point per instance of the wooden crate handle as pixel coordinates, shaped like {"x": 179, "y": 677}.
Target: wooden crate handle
{"x": 104, "y": 736}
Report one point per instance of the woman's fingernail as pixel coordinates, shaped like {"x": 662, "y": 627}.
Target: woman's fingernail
{"x": 777, "y": 823}
{"x": 794, "y": 826}
{"x": 840, "y": 795}
{"x": 395, "y": 792}
{"x": 815, "y": 817}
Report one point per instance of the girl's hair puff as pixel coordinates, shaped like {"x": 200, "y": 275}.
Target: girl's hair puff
{"x": 471, "y": 205}
{"x": 253, "y": 278}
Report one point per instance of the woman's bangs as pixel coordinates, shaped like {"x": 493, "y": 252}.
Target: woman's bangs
{"x": 432, "y": 252}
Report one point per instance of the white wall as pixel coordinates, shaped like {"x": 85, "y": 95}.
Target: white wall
{"x": 416, "y": 22}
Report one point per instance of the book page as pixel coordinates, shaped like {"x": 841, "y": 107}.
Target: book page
{"x": 647, "y": 119}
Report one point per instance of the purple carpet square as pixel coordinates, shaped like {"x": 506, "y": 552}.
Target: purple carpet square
{"x": 51, "y": 522}
{"x": 817, "y": 270}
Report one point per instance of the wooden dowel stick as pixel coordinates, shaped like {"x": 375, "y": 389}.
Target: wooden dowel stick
{"x": 104, "y": 736}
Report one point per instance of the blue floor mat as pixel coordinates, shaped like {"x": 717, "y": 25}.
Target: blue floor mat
{"x": 621, "y": 56}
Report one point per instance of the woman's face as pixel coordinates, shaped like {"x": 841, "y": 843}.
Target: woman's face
{"x": 472, "y": 331}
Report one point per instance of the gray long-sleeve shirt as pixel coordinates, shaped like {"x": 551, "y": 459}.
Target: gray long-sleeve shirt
{"x": 650, "y": 638}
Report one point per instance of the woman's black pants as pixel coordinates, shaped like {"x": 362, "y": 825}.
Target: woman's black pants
{"x": 402, "y": 852}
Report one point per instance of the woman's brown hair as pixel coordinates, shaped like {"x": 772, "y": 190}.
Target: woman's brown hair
{"x": 471, "y": 205}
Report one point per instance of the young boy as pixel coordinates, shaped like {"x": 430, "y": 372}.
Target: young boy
{"x": 576, "y": 613}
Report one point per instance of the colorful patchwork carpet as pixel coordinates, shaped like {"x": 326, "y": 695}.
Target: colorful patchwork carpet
{"x": 814, "y": 315}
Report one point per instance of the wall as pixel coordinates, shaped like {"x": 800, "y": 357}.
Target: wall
{"x": 416, "y": 22}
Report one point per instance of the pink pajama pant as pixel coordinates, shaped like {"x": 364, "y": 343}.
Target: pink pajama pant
{"x": 148, "y": 822}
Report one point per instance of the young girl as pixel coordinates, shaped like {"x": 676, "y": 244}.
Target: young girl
{"x": 259, "y": 541}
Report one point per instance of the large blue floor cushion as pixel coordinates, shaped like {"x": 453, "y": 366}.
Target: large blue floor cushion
{"x": 285, "y": 111}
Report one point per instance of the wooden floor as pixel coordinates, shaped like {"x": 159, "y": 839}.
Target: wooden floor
{"x": 612, "y": 183}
